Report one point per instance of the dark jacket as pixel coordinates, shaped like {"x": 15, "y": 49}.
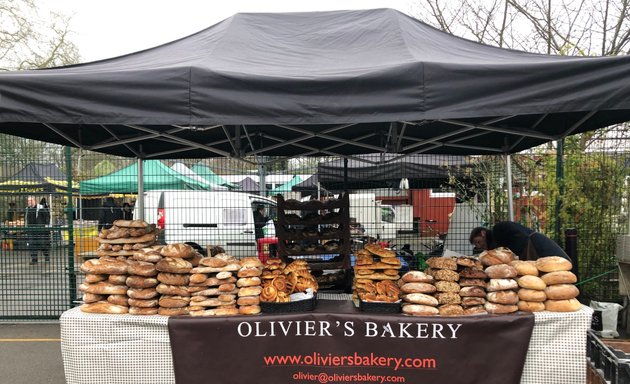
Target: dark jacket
{"x": 259, "y": 224}
{"x": 524, "y": 242}
{"x": 108, "y": 214}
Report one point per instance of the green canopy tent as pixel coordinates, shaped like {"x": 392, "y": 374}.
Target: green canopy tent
{"x": 156, "y": 176}
{"x": 207, "y": 173}
{"x": 286, "y": 187}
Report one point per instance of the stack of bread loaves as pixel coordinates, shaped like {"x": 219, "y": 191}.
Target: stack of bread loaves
{"x": 501, "y": 290}
{"x": 417, "y": 293}
{"x": 143, "y": 297}
{"x": 531, "y": 291}
{"x": 444, "y": 271}
{"x": 216, "y": 274}
{"x": 125, "y": 237}
{"x": 560, "y": 291}
{"x": 376, "y": 264}
{"x": 104, "y": 289}
{"x": 174, "y": 297}
{"x": 472, "y": 280}
{"x": 249, "y": 285}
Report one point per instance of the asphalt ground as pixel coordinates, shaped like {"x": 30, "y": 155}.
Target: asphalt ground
{"x": 31, "y": 354}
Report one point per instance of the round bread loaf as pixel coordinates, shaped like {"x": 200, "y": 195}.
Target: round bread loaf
{"x": 559, "y": 277}
{"x": 227, "y": 297}
{"x": 117, "y": 279}
{"x": 105, "y": 266}
{"x": 248, "y": 300}
{"x": 531, "y": 282}
{"x": 173, "y": 290}
{"x": 570, "y": 305}
{"x": 149, "y": 257}
{"x": 473, "y": 283}
{"x": 531, "y": 306}
{"x": 173, "y": 311}
{"x": 249, "y": 291}
{"x": 501, "y": 271}
{"x": 495, "y": 308}
{"x": 141, "y": 282}
{"x": 503, "y": 297}
{"x": 496, "y": 256}
{"x": 143, "y": 311}
{"x": 420, "y": 298}
{"x": 250, "y": 262}
{"x": 419, "y": 310}
{"x": 525, "y": 267}
{"x": 417, "y": 276}
{"x": 249, "y": 272}
{"x": 562, "y": 292}
{"x": 445, "y": 275}
{"x": 472, "y": 273}
{"x": 248, "y": 281}
{"x": 447, "y": 286}
{"x": 442, "y": 263}
{"x": 448, "y": 298}
{"x": 104, "y": 288}
{"x": 472, "y": 291}
{"x": 140, "y": 303}
{"x": 93, "y": 298}
{"x": 553, "y": 264}
{"x": 142, "y": 293}
{"x": 197, "y": 278}
{"x": 130, "y": 223}
{"x": 178, "y": 250}
{"x": 501, "y": 285}
{"x": 173, "y": 278}
{"x": 142, "y": 268}
{"x": 228, "y": 287}
{"x": 532, "y": 295}
{"x": 174, "y": 301}
{"x": 417, "y": 288}
{"x": 249, "y": 310}
{"x": 475, "y": 310}
{"x": 92, "y": 278}
{"x": 118, "y": 300}
{"x": 451, "y": 310}
{"x": 473, "y": 301}
{"x": 104, "y": 307}
{"x": 224, "y": 275}
{"x": 468, "y": 261}
{"x": 173, "y": 265}
{"x": 226, "y": 311}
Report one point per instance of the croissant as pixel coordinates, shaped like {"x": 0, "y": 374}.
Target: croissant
{"x": 269, "y": 294}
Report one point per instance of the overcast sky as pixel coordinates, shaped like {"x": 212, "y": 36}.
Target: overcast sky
{"x": 104, "y": 29}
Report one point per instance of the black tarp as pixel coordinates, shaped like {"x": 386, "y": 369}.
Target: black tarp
{"x": 387, "y": 170}
{"x": 321, "y": 83}
{"x": 36, "y": 178}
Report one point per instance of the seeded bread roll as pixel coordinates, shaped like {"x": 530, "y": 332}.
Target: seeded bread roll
{"x": 468, "y": 261}
{"x": 559, "y": 277}
{"x": 448, "y": 298}
{"x": 553, "y": 264}
{"x": 531, "y": 306}
{"x": 570, "y": 305}
{"x": 531, "y": 282}
{"x": 447, "y": 286}
{"x": 501, "y": 271}
{"x": 525, "y": 267}
{"x": 445, "y": 274}
{"x": 419, "y": 310}
{"x": 442, "y": 263}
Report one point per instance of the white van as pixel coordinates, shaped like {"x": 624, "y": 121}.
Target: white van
{"x": 219, "y": 218}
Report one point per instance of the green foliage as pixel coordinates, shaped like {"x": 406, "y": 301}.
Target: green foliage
{"x": 104, "y": 167}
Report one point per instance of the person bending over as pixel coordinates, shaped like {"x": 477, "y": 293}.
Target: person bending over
{"x": 524, "y": 242}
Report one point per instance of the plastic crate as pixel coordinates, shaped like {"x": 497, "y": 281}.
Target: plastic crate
{"x": 609, "y": 359}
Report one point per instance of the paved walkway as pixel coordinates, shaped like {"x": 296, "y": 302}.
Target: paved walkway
{"x": 31, "y": 354}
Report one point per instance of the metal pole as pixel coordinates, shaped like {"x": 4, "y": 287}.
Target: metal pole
{"x": 345, "y": 174}
{"x": 140, "y": 197}
{"x": 508, "y": 171}
{"x": 262, "y": 171}
{"x": 560, "y": 182}
{"x": 80, "y": 203}
{"x": 72, "y": 278}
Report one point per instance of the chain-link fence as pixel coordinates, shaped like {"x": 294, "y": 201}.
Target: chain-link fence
{"x": 422, "y": 205}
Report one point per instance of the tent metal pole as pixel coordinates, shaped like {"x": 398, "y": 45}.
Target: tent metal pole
{"x": 560, "y": 182}
{"x": 508, "y": 171}
{"x": 72, "y": 278}
{"x": 140, "y": 197}
{"x": 262, "y": 171}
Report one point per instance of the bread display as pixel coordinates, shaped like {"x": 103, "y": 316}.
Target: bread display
{"x": 501, "y": 296}
{"x": 560, "y": 292}
{"x": 280, "y": 281}
{"x": 213, "y": 286}
{"x": 376, "y": 273}
{"x": 125, "y": 237}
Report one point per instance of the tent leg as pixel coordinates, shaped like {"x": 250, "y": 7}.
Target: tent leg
{"x": 508, "y": 171}
{"x": 140, "y": 197}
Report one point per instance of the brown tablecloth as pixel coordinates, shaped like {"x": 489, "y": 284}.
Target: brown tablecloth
{"x": 338, "y": 343}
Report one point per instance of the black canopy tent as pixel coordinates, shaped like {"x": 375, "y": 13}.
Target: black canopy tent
{"x": 323, "y": 83}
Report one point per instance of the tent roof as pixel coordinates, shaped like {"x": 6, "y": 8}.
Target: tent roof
{"x": 321, "y": 83}
{"x": 156, "y": 176}
{"x": 286, "y": 187}
{"x": 184, "y": 170}
{"x": 249, "y": 185}
{"x": 36, "y": 178}
{"x": 208, "y": 174}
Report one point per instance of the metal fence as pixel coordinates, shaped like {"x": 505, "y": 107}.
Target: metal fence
{"x": 423, "y": 204}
